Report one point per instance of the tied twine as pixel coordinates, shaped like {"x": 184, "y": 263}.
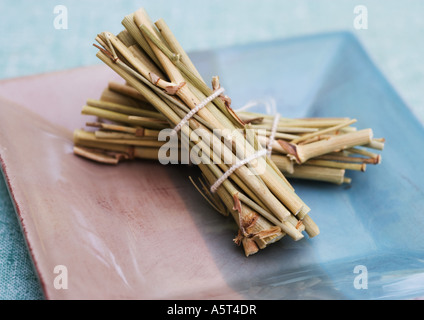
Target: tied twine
{"x": 196, "y": 109}
{"x": 270, "y": 107}
{"x": 234, "y": 167}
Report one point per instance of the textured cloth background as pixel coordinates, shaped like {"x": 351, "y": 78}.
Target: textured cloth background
{"x": 32, "y": 45}
{"x": 17, "y": 276}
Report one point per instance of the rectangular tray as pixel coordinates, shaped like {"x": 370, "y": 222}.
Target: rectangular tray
{"x": 140, "y": 230}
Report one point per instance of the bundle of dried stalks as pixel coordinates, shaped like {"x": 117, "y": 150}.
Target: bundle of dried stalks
{"x": 164, "y": 90}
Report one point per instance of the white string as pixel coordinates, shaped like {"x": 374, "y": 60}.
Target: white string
{"x": 234, "y": 167}
{"x": 196, "y": 109}
{"x": 269, "y": 103}
{"x": 256, "y": 155}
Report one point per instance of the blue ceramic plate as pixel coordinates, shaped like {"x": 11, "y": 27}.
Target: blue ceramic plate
{"x": 376, "y": 224}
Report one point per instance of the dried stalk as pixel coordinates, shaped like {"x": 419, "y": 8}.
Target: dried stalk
{"x": 332, "y": 175}
{"x": 302, "y": 153}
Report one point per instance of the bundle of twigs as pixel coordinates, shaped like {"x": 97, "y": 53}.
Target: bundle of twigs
{"x": 329, "y": 162}
{"x": 163, "y": 89}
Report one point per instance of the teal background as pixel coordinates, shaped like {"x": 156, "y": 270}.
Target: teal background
{"x": 31, "y": 45}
